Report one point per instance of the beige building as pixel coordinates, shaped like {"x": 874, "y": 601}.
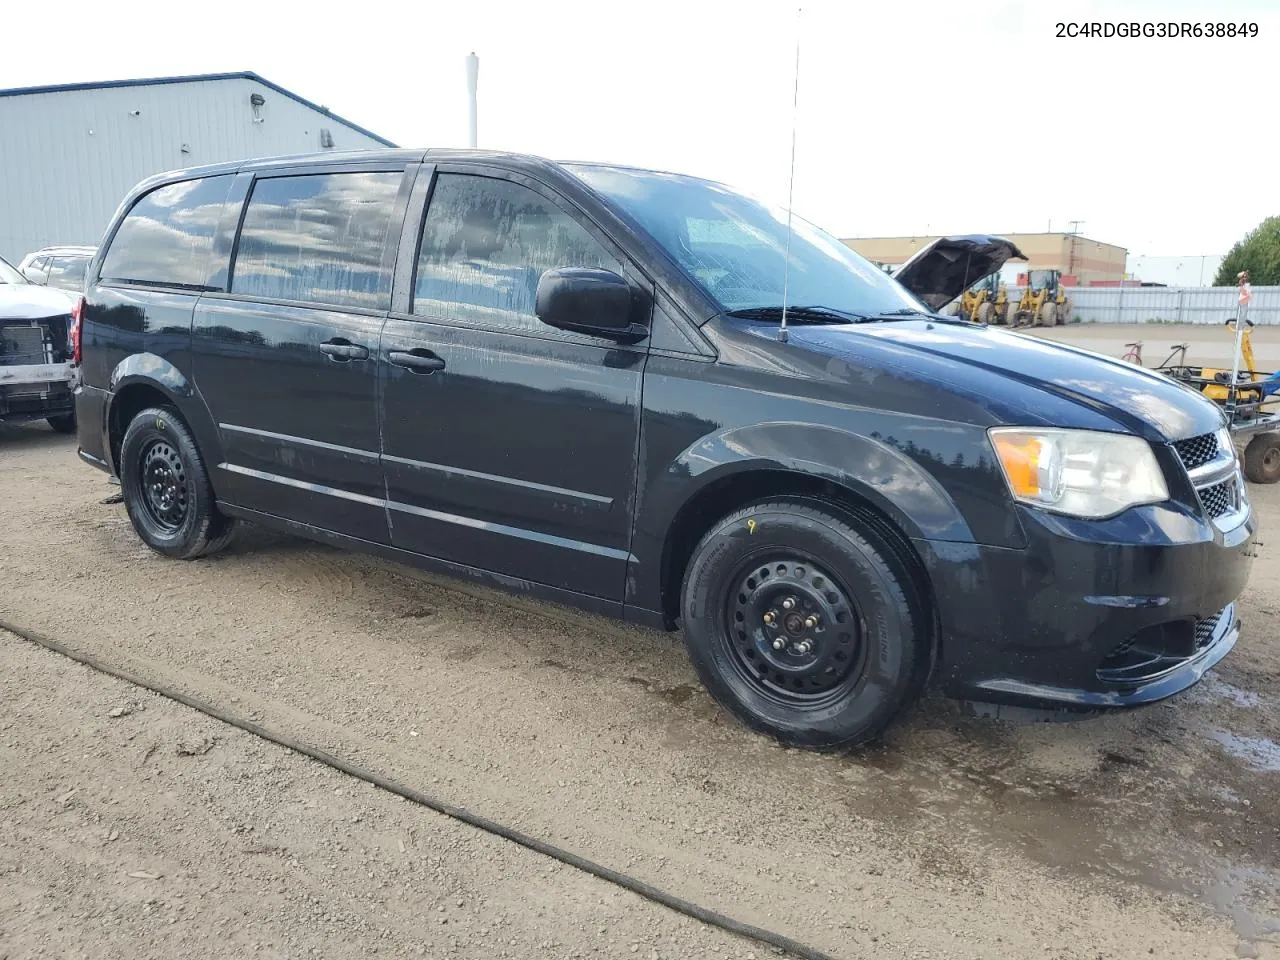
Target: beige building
{"x": 1088, "y": 261}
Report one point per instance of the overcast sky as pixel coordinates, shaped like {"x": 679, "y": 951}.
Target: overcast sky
{"x": 915, "y": 115}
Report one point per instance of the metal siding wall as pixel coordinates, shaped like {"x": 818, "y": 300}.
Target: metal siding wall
{"x": 1168, "y": 304}
{"x": 61, "y": 184}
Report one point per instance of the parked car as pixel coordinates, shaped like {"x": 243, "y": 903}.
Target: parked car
{"x": 61, "y": 267}
{"x": 36, "y": 373}
{"x": 572, "y": 381}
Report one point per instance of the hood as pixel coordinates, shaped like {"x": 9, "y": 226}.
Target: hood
{"x": 1019, "y": 379}
{"x": 29, "y": 301}
{"x": 947, "y": 267}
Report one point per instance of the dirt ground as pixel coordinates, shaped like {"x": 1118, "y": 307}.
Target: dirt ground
{"x": 134, "y": 827}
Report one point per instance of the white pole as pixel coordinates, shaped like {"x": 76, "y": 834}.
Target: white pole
{"x": 473, "y": 79}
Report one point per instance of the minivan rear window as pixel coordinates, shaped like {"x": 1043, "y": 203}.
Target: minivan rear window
{"x": 165, "y": 240}
{"x": 67, "y": 272}
{"x": 318, "y": 238}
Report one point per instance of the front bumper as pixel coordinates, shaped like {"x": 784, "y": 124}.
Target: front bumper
{"x": 1090, "y": 615}
{"x": 36, "y": 391}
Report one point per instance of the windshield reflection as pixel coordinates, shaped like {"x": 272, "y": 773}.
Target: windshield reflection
{"x": 735, "y": 248}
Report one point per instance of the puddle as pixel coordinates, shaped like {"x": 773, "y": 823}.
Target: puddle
{"x": 1214, "y": 688}
{"x": 1243, "y": 895}
{"x": 1261, "y": 753}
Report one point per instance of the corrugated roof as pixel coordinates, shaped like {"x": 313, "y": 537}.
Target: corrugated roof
{"x": 196, "y": 78}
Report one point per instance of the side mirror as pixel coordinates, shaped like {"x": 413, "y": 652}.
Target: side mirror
{"x": 587, "y": 300}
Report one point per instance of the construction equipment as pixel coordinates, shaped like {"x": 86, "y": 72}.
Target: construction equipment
{"x": 1253, "y": 408}
{"x": 987, "y": 301}
{"x": 997, "y": 311}
{"x": 1043, "y": 303}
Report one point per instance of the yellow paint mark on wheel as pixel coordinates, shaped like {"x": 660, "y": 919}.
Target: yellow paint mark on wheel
{"x": 751, "y": 525}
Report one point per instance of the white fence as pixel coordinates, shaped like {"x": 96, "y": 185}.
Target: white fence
{"x": 1166, "y": 304}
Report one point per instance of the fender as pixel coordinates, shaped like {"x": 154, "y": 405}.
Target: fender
{"x": 884, "y": 476}
{"x": 887, "y": 478}
{"x": 158, "y": 373}
{"x": 154, "y": 370}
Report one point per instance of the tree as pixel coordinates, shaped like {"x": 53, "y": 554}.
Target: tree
{"x": 1258, "y": 252}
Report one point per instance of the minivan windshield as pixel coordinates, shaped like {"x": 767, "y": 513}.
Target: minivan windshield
{"x": 736, "y": 247}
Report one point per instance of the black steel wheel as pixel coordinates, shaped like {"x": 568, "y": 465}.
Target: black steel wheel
{"x": 166, "y": 488}
{"x": 805, "y": 622}
{"x": 793, "y": 629}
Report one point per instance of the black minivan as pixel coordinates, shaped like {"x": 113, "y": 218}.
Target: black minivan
{"x": 574, "y": 381}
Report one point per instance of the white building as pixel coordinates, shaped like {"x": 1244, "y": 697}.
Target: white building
{"x": 69, "y": 154}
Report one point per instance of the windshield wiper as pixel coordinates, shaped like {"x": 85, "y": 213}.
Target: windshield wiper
{"x": 906, "y": 313}
{"x": 811, "y": 313}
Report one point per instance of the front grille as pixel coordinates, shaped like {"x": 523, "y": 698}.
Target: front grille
{"x": 1205, "y": 629}
{"x": 1219, "y": 498}
{"x": 1205, "y": 461}
{"x": 1157, "y": 649}
{"x": 1197, "y": 451}
{"x": 22, "y": 345}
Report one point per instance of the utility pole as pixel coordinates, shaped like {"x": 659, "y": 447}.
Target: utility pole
{"x": 1071, "y": 245}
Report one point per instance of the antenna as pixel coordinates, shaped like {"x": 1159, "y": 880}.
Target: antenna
{"x": 473, "y": 77}
{"x": 791, "y": 186}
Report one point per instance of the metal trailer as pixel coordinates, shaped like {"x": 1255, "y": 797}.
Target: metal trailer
{"x": 1247, "y": 396}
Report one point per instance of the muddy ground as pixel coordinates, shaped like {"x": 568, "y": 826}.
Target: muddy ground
{"x": 133, "y": 827}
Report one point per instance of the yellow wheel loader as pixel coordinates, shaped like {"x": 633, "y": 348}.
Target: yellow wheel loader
{"x": 1043, "y": 303}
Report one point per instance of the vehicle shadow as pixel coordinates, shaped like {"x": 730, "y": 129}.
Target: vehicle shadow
{"x": 16, "y": 437}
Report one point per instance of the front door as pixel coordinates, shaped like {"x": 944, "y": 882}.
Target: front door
{"x": 287, "y": 360}
{"x": 508, "y": 445}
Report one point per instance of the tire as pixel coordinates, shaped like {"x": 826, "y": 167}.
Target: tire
{"x": 177, "y": 516}
{"x": 1048, "y": 315}
{"x": 1063, "y": 313}
{"x": 857, "y": 608}
{"x": 1262, "y": 458}
{"x": 984, "y": 313}
{"x": 64, "y": 424}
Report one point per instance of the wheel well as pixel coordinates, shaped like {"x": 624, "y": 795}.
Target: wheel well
{"x": 723, "y": 497}
{"x": 126, "y": 405}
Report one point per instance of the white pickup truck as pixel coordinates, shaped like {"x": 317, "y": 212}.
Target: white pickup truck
{"x": 37, "y": 375}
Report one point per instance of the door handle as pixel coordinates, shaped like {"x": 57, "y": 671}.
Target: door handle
{"x": 342, "y": 350}
{"x": 417, "y": 360}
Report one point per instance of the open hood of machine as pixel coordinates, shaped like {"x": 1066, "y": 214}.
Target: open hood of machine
{"x": 946, "y": 268}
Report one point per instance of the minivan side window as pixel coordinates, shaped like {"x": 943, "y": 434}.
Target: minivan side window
{"x": 318, "y": 238}
{"x": 165, "y": 240}
{"x": 486, "y": 243}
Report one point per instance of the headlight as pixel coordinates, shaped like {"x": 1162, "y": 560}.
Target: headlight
{"x": 1078, "y": 472}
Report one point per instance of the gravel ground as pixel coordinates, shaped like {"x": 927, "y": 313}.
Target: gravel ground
{"x": 162, "y": 833}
